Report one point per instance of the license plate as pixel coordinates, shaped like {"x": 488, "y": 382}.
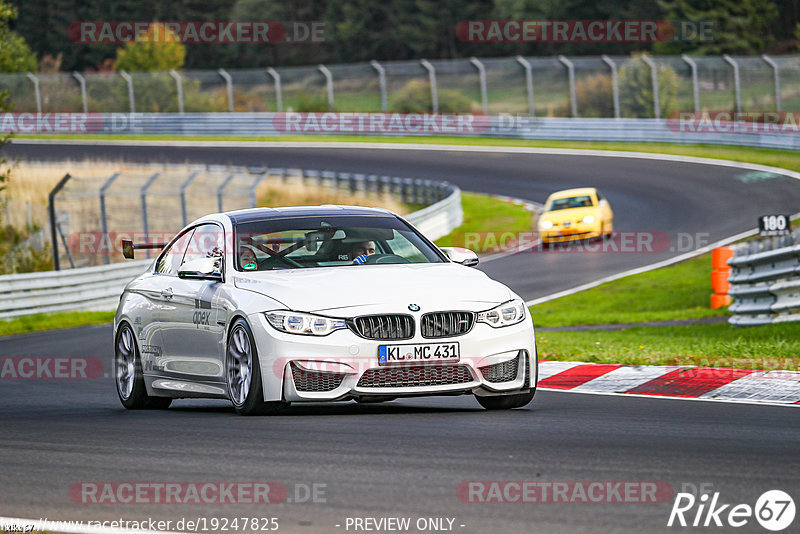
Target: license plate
{"x": 430, "y": 352}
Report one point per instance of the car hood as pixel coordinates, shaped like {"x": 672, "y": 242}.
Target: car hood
{"x": 373, "y": 288}
{"x": 570, "y": 214}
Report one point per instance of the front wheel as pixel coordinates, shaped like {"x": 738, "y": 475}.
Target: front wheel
{"x": 243, "y": 373}
{"x": 128, "y": 375}
{"x": 509, "y": 402}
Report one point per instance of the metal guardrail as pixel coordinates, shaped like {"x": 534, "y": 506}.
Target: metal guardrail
{"x": 765, "y": 281}
{"x": 87, "y": 288}
{"x": 502, "y": 126}
{"x": 99, "y": 287}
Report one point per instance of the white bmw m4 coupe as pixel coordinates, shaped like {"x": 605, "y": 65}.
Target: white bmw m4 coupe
{"x": 271, "y": 306}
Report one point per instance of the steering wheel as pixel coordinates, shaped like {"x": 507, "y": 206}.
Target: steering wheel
{"x": 385, "y": 258}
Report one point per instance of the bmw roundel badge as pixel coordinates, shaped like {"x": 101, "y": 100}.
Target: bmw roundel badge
{"x": 413, "y": 307}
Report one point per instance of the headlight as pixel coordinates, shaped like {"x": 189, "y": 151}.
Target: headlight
{"x": 589, "y": 219}
{"x": 508, "y": 313}
{"x": 304, "y": 323}
{"x": 546, "y": 225}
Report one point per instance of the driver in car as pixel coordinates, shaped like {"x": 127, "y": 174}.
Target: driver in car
{"x": 247, "y": 258}
{"x": 361, "y": 251}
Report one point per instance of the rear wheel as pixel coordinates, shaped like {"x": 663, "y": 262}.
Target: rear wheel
{"x": 509, "y": 402}
{"x": 243, "y": 373}
{"x": 128, "y": 375}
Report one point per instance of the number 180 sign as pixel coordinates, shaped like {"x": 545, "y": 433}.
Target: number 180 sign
{"x": 769, "y": 225}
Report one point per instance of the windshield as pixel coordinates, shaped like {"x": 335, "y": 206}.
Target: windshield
{"x": 582, "y": 201}
{"x": 329, "y": 241}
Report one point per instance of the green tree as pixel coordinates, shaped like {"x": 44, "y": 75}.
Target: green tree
{"x": 636, "y": 89}
{"x": 736, "y": 26}
{"x": 158, "y": 49}
{"x": 15, "y": 55}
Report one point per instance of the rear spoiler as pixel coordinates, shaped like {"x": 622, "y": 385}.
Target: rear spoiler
{"x": 129, "y": 246}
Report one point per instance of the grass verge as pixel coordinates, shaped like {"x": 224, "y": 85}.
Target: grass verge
{"x": 52, "y": 321}
{"x": 679, "y": 291}
{"x": 707, "y": 345}
{"x": 487, "y": 216}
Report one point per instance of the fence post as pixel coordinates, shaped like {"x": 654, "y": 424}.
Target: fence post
{"x": 328, "y": 84}
{"x": 432, "y": 79}
{"x": 381, "y": 83}
{"x": 36, "y": 92}
{"x": 228, "y": 87}
{"x": 695, "y": 84}
{"x": 220, "y": 189}
{"x": 82, "y": 81}
{"x": 143, "y": 195}
{"x": 278, "y": 93}
{"x": 127, "y": 78}
{"x": 179, "y": 87}
{"x": 528, "y": 83}
{"x": 654, "y": 79}
{"x": 103, "y": 219}
{"x": 777, "y": 76}
{"x": 51, "y": 209}
{"x": 573, "y": 98}
{"x": 737, "y": 84}
{"x": 255, "y": 185}
{"x": 482, "y": 79}
{"x": 614, "y": 83}
{"x": 184, "y": 186}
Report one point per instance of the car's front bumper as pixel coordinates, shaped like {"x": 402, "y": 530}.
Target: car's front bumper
{"x": 343, "y": 365}
{"x": 573, "y": 233}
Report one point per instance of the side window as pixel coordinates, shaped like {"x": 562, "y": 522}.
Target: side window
{"x": 207, "y": 242}
{"x": 171, "y": 259}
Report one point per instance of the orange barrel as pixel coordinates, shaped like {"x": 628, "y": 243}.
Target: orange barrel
{"x": 720, "y": 257}
{"x": 719, "y": 282}
{"x": 720, "y": 301}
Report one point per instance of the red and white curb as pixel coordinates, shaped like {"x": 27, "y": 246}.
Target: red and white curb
{"x": 702, "y": 383}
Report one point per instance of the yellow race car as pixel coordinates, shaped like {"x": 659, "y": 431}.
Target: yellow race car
{"x": 575, "y": 214}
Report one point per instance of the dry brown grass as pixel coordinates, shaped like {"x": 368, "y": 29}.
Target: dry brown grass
{"x": 31, "y": 182}
{"x": 301, "y": 194}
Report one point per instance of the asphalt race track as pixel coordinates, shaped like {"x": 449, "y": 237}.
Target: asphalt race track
{"x": 700, "y": 203}
{"x": 407, "y": 458}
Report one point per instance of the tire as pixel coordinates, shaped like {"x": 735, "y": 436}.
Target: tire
{"x": 509, "y": 402}
{"x": 243, "y": 373}
{"x": 128, "y": 375}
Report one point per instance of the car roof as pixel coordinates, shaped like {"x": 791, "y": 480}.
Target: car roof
{"x": 566, "y": 193}
{"x": 260, "y": 214}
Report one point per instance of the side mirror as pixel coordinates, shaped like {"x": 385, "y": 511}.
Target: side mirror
{"x": 463, "y": 256}
{"x": 201, "y": 269}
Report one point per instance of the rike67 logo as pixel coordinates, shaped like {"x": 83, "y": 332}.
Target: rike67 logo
{"x": 774, "y": 510}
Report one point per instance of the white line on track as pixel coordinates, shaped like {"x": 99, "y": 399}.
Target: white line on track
{"x": 664, "y": 397}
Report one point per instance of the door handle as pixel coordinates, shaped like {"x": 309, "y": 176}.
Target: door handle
{"x": 167, "y": 293}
